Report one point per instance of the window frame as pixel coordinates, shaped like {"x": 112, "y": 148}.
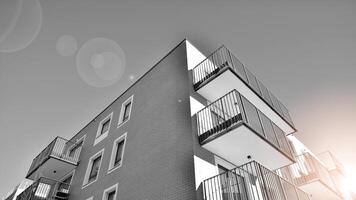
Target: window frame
{"x": 99, "y": 135}
{"x": 126, "y": 114}
{"x": 112, "y": 165}
{"x": 90, "y": 166}
{"x": 82, "y": 139}
{"x": 123, "y": 109}
{"x": 109, "y": 190}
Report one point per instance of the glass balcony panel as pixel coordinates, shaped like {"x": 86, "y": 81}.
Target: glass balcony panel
{"x": 252, "y": 81}
{"x": 252, "y": 118}
{"x": 265, "y": 92}
{"x": 268, "y": 129}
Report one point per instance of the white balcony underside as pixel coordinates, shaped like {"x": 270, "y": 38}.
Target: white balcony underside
{"x": 53, "y": 168}
{"x": 226, "y": 82}
{"x": 240, "y": 142}
{"x": 319, "y": 191}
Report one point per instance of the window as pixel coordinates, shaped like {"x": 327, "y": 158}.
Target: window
{"x": 75, "y": 149}
{"x": 94, "y": 169}
{"x": 119, "y": 150}
{"x": 92, "y": 172}
{"x": 117, "y": 153}
{"x": 110, "y": 193}
{"x": 125, "y": 112}
{"x": 103, "y": 129}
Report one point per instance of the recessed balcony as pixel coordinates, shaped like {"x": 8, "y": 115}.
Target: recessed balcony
{"x": 250, "y": 181}
{"x": 45, "y": 189}
{"x": 222, "y": 72}
{"x": 233, "y": 128}
{"x": 310, "y": 175}
{"x": 56, "y": 160}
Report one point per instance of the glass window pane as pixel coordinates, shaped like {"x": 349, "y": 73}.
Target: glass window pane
{"x": 105, "y": 126}
{"x": 74, "y": 149}
{"x": 127, "y": 111}
{"x": 94, "y": 169}
{"x": 119, "y": 150}
{"x": 111, "y": 195}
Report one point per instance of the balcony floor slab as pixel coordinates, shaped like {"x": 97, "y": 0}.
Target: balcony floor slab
{"x": 319, "y": 191}
{"x": 53, "y": 168}
{"x": 237, "y": 144}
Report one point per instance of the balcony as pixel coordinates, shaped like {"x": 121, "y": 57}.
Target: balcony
{"x": 250, "y": 181}
{"x": 45, "y": 189}
{"x": 222, "y": 72}
{"x": 233, "y": 128}
{"x": 310, "y": 175}
{"x": 56, "y": 160}
{"x": 335, "y": 168}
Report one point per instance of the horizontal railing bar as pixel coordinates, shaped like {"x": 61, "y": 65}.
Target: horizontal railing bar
{"x": 250, "y": 181}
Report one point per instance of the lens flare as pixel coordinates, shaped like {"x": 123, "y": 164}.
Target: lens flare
{"x": 100, "y": 62}
{"x": 24, "y": 27}
{"x": 9, "y": 12}
{"x": 131, "y": 77}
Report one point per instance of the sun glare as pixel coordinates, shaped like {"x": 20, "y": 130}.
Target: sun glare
{"x": 349, "y": 183}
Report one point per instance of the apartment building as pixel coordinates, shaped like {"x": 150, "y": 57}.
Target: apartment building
{"x": 192, "y": 127}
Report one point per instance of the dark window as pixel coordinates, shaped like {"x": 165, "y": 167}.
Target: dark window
{"x": 126, "y": 111}
{"x": 75, "y": 149}
{"x": 111, "y": 195}
{"x": 94, "y": 169}
{"x": 118, "y": 156}
{"x": 105, "y": 126}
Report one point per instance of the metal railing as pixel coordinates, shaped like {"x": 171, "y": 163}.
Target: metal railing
{"x": 45, "y": 188}
{"x": 59, "y": 148}
{"x": 308, "y": 169}
{"x": 230, "y": 111}
{"x": 330, "y": 161}
{"x": 223, "y": 59}
{"x": 250, "y": 181}
{"x": 336, "y": 169}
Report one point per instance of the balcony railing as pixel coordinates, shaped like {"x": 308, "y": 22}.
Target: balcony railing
{"x": 250, "y": 181}
{"x": 330, "y": 161}
{"x": 223, "y": 59}
{"x": 232, "y": 110}
{"x": 59, "y": 148}
{"x": 45, "y": 189}
{"x": 308, "y": 169}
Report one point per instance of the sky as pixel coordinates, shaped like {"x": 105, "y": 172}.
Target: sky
{"x": 58, "y": 63}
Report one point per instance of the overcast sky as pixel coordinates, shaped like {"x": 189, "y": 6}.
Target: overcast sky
{"x": 304, "y": 52}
